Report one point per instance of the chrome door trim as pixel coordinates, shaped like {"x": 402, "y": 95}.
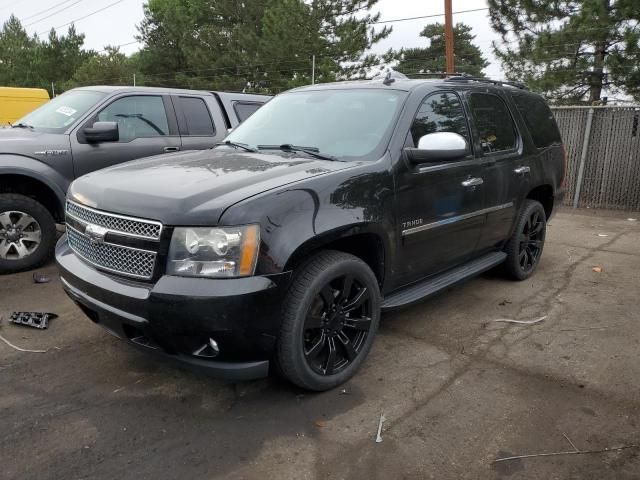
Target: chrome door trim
{"x": 449, "y": 221}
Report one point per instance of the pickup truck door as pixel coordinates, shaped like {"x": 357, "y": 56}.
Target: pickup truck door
{"x": 147, "y": 126}
{"x": 438, "y": 205}
{"x": 200, "y": 121}
{"x": 504, "y": 168}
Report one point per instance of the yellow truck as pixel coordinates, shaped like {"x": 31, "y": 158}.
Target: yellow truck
{"x": 17, "y": 102}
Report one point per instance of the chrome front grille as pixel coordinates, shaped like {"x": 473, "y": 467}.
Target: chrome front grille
{"x": 122, "y": 245}
{"x": 114, "y": 258}
{"x": 116, "y": 223}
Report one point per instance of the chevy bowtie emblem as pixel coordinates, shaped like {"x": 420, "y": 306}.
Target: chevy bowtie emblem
{"x": 96, "y": 233}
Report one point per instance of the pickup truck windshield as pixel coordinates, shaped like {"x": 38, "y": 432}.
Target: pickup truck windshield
{"x": 58, "y": 114}
{"x": 350, "y": 124}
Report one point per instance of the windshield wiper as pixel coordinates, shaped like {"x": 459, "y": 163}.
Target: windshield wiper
{"x": 243, "y": 146}
{"x": 22, "y": 125}
{"x": 287, "y": 147}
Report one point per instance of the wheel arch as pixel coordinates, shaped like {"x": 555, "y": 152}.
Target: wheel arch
{"x": 367, "y": 245}
{"x": 544, "y": 195}
{"x": 36, "y": 187}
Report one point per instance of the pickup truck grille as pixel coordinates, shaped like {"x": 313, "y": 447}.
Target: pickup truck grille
{"x": 116, "y": 223}
{"x": 105, "y": 251}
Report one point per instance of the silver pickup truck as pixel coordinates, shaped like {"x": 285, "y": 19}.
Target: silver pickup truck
{"x": 88, "y": 129}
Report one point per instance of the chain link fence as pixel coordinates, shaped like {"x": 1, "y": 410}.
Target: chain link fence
{"x": 603, "y": 148}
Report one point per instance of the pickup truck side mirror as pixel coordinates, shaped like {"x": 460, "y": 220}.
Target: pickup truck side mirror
{"x": 102, "y": 132}
{"x": 439, "y": 147}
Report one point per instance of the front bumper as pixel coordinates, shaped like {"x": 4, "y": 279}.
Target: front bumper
{"x": 175, "y": 316}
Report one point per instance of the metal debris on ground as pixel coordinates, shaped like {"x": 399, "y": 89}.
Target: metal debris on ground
{"x": 37, "y": 320}
{"x": 603, "y": 235}
{"x": 20, "y": 349}
{"x": 379, "y": 435}
{"x": 344, "y": 392}
{"x": 573, "y": 452}
{"x": 521, "y": 322}
{"x": 597, "y": 269}
{"x": 632, "y": 219}
{"x": 41, "y": 278}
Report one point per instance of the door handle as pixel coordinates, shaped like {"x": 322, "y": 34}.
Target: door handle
{"x": 171, "y": 149}
{"x": 521, "y": 170}
{"x": 472, "y": 182}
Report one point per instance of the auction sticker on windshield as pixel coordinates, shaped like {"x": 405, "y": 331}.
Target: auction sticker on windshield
{"x": 68, "y": 111}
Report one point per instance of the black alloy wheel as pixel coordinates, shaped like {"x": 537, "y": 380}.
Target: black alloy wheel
{"x": 524, "y": 248}
{"x": 531, "y": 241}
{"x": 330, "y": 317}
{"x": 337, "y": 325}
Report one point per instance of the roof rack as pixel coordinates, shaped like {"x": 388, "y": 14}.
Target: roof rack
{"x": 469, "y": 78}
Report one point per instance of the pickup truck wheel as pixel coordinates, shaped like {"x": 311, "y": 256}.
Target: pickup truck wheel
{"x": 331, "y": 315}
{"x": 524, "y": 248}
{"x": 27, "y": 233}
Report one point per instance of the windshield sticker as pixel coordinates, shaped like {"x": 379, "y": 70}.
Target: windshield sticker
{"x": 68, "y": 111}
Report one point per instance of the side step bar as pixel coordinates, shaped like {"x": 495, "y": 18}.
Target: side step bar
{"x": 424, "y": 289}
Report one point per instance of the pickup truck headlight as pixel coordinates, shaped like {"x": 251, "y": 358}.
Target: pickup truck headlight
{"x": 214, "y": 252}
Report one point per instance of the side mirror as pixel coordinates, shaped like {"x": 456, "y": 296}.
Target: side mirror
{"x": 439, "y": 147}
{"x": 102, "y": 132}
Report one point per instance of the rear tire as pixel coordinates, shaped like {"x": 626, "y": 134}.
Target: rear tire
{"x": 330, "y": 318}
{"x": 524, "y": 248}
{"x": 27, "y": 233}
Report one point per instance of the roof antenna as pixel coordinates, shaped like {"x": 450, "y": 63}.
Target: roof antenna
{"x": 388, "y": 78}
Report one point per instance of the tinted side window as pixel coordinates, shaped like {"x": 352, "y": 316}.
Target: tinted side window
{"x": 137, "y": 116}
{"x": 245, "y": 110}
{"x": 539, "y": 120}
{"x": 441, "y": 112}
{"x": 494, "y": 123}
{"x": 196, "y": 116}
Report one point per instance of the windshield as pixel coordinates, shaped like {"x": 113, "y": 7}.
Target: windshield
{"x": 350, "y": 124}
{"x": 59, "y": 113}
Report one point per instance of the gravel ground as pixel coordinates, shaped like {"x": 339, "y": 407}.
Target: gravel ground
{"x": 458, "y": 389}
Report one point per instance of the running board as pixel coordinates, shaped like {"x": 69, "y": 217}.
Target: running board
{"x": 424, "y": 289}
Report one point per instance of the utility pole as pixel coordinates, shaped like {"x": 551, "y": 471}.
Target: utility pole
{"x": 313, "y": 70}
{"x": 448, "y": 35}
{"x": 134, "y": 79}
{"x": 53, "y": 90}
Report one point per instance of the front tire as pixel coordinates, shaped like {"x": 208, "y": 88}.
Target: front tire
{"x": 27, "y": 233}
{"x": 331, "y": 315}
{"x": 524, "y": 248}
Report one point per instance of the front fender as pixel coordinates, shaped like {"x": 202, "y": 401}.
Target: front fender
{"x": 11, "y": 164}
{"x": 302, "y": 217}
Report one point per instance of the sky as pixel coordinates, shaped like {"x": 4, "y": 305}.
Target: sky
{"x": 116, "y": 23}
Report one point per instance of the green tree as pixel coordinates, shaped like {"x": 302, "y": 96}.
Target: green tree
{"x": 570, "y": 50}
{"x": 110, "y": 68}
{"x": 17, "y": 55}
{"x": 264, "y": 45}
{"x": 58, "y": 58}
{"x": 468, "y": 57}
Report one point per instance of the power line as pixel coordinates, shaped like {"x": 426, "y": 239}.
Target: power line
{"x": 426, "y": 16}
{"x": 44, "y": 11}
{"x": 82, "y": 18}
{"x": 53, "y": 14}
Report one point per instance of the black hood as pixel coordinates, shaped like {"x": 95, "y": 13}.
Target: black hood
{"x": 193, "y": 188}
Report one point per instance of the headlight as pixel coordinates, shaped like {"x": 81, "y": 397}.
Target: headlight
{"x": 214, "y": 252}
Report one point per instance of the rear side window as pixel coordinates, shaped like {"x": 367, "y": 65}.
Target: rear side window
{"x": 196, "y": 116}
{"x": 539, "y": 120}
{"x": 493, "y": 122}
{"x": 245, "y": 110}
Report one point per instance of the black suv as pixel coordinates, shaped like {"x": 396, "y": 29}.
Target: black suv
{"x": 330, "y": 204}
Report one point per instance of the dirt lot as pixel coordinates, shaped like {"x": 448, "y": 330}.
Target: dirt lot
{"x": 458, "y": 389}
